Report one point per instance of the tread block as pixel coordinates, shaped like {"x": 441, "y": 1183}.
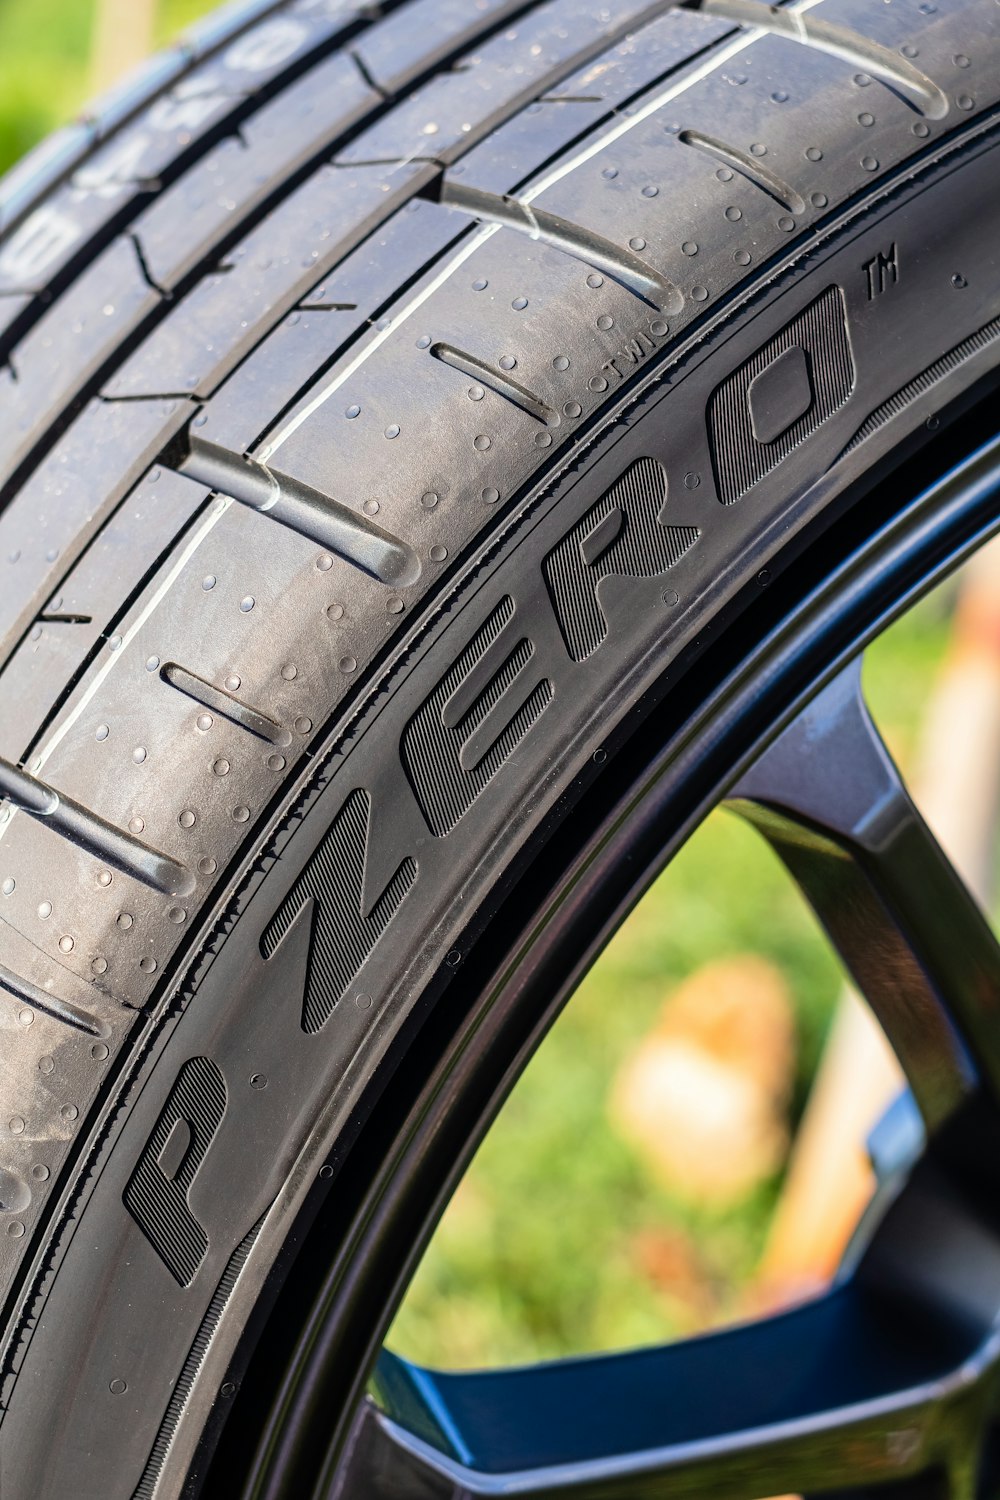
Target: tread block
{"x": 157, "y": 1192}
{"x": 220, "y": 322}
{"x": 625, "y": 535}
{"x": 285, "y": 361}
{"x": 234, "y": 18}
{"x": 644, "y": 58}
{"x": 121, "y": 556}
{"x": 364, "y": 426}
{"x": 412, "y": 237}
{"x": 69, "y": 344}
{"x": 894, "y": 26}
{"x": 54, "y": 234}
{"x": 330, "y": 314}
{"x": 329, "y": 895}
{"x": 621, "y": 263}
{"x": 84, "y": 830}
{"x": 187, "y": 221}
{"x": 133, "y": 92}
{"x": 199, "y": 778}
{"x": 30, "y": 975}
{"x": 37, "y": 173}
{"x": 79, "y": 616}
{"x": 68, "y": 498}
{"x": 258, "y": 54}
{"x": 397, "y": 49}
{"x": 510, "y": 155}
{"x": 311, "y": 513}
{"x": 516, "y": 150}
{"x": 66, "y": 1015}
{"x": 52, "y": 652}
{"x": 453, "y": 111}
{"x": 811, "y": 356}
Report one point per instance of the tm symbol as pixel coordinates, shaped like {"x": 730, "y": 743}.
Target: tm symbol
{"x": 881, "y": 272}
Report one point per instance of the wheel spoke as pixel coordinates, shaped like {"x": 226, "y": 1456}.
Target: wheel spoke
{"x": 887, "y": 1376}
{"x": 817, "y": 1399}
{"x": 828, "y": 798}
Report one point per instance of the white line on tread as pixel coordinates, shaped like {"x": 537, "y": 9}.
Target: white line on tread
{"x": 218, "y": 509}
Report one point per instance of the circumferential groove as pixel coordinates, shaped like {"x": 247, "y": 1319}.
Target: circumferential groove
{"x": 90, "y": 832}
{"x": 512, "y": 390}
{"x": 839, "y": 41}
{"x": 220, "y": 702}
{"x": 747, "y": 166}
{"x": 51, "y": 1005}
{"x": 582, "y": 244}
{"x": 302, "y": 508}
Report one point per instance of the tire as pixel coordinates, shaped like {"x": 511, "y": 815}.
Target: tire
{"x": 553, "y": 333}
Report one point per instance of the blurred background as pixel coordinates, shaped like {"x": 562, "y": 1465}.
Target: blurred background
{"x": 649, "y": 1177}
{"x": 55, "y": 55}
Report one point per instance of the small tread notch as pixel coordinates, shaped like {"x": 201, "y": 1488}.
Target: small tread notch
{"x": 308, "y": 511}
{"x": 512, "y": 390}
{"x": 220, "y": 702}
{"x": 91, "y": 832}
{"x": 747, "y": 166}
{"x": 50, "y": 1005}
{"x": 582, "y": 244}
{"x": 919, "y": 91}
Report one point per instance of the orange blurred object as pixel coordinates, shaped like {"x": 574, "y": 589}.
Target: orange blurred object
{"x": 703, "y": 1098}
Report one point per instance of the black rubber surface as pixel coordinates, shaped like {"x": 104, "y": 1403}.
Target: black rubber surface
{"x": 543, "y": 326}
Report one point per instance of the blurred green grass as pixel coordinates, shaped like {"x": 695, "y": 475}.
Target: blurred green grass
{"x": 537, "y": 1256}
{"x": 45, "y": 63}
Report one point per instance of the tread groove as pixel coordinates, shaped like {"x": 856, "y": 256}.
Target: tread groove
{"x": 230, "y": 707}
{"x": 919, "y": 91}
{"x": 327, "y": 307}
{"x": 365, "y": 72}
{"x": 512, "y": 391}
{"x": 782, "y": 192}
{"x": 50, "y": 1005}
{"x": 147, "y": 274}
{"x": 302, "y": 508}
{"x": 573, "y": 239}
{"x": 89, "y": 831}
